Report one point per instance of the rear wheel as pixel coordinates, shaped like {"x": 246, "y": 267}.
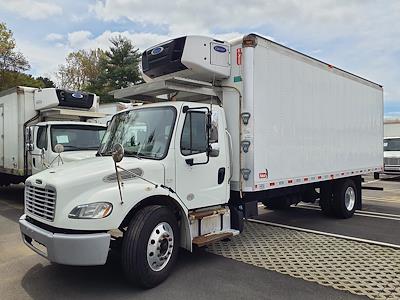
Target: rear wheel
{"x": 344, "y": 198}
{"x": 376, "y": 175}
{"x": 150, "y": 246}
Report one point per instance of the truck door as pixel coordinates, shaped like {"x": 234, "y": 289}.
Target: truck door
{"x": 1, "y": 136}
{"x": 205, "y": 182}
{"x": 40, "y": 148}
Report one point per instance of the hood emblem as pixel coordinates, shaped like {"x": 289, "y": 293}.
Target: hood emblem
{"x": 38, "y": 181}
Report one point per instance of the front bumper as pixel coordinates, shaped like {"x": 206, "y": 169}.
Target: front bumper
{"x": 395, "y": 170}
{"x": 67, "y": 249}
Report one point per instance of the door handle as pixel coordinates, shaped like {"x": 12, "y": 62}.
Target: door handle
{"x": 221, "y": 175}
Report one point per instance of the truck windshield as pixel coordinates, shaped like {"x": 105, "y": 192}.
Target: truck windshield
{"x": 143, "y": 132}
{"x": 77, "y": 137}
{"x": 391, "y": 144}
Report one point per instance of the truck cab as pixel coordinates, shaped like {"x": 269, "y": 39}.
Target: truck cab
{"x": 36, "y": 125}
{"x": 391, "y": 148}
{"x": 79, "y": 140}
{"x": 164, "y": 166}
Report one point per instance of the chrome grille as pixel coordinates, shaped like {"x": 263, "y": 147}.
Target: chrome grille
{"x": 40, "y": 202}
{"x": 392, "y": 161}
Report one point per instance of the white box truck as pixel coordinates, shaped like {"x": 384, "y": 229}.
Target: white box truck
{"x": 226, "y": 124}
{"x": 391, "y": 148}
{"x": 33, "y": 121}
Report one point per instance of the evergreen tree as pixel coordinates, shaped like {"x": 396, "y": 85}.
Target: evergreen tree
{"x": 121, "y": 64}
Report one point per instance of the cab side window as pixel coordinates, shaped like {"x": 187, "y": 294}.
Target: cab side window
{"x": 194, "y": 134}
{"x": 41, "y": 141}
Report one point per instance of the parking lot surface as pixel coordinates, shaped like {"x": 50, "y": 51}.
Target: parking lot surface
{"x": 202, "y": 274}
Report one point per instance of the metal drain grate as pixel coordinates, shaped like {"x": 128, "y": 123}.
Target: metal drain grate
{"x": 357, "y": 267}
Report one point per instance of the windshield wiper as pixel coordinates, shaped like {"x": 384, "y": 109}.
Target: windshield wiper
{"x": 89, "y": 148}
{"x": 134, "y": 154}
{"x": 81, "y": 148}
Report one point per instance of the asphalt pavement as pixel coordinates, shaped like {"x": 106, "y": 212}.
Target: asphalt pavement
{"x": 379, "y": 219}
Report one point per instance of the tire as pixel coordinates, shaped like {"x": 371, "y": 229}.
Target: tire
{"x": 149, "y": 234}
{"x": 325, "y": 200}
{"x": 345, "y": 198}
{"x": 376, "y": 175}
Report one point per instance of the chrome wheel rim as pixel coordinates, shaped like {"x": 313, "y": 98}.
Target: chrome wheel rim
{"x": 160, "y": 246}
{"x": 349, "y": 198}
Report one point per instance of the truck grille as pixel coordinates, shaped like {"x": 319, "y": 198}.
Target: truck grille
{"x": 392, "y": 161}
{"x": 40, "y": 202}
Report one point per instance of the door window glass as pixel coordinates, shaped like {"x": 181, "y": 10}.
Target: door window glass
{"x": 194, "y": 134}
{"x": 41, "y": 141}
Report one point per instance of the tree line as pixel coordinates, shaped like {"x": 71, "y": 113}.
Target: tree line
{"x": 94, "y": 70}
{"x": 13, "y": 64}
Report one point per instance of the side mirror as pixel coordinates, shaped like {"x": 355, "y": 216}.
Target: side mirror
{"x": 118, "y": 153}
{"x": 213, "y": 150}
{"x": 58, "y": 148}
{"x": 29, "y": 139}
{"x": 29, "y": 147}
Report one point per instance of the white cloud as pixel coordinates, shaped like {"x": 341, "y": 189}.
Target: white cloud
{"x": 357, "y": 35}
{"x": 361, "y": 36}
{"x": 78, "y": 39}
{"x": 142, "y": 40}
{"x": 54, "y": 37}
{"x": 43, "y": 59}
{"x": 31, "y": 9}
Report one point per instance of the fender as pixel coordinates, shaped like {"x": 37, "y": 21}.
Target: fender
{"x": 171, "y": 200}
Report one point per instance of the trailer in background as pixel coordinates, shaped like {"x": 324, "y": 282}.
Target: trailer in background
{"x": 33, "y": 121}
{"x": 391, "y": 148}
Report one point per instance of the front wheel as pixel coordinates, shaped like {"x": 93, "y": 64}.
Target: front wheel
{"x": 150, "y": 246}
{"x": 345, "y": 198}
{"x": 376, "y": 175}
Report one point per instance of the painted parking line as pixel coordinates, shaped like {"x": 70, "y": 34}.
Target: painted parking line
{"x": 372, "y": 181}
{"x": 361, "y": 213}
{"x": 391, "y": 200}
{"x": 346, "y": 237}
{"x": 364, "y": 213}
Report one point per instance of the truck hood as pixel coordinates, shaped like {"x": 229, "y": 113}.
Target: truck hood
{"x": 70, "y": 156}
{"x": 94, "y": 180}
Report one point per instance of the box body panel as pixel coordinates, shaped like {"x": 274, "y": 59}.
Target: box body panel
{"x": 18, "y": 108}
{"x": 309, "y": 121}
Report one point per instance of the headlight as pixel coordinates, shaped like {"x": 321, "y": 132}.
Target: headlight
{"x": 96, "y": 210}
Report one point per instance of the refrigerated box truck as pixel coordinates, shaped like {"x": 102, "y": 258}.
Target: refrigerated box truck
{"x": 226, "y": 124}
{"x": 33, "y": 121}
{"x": 391, "y": 148}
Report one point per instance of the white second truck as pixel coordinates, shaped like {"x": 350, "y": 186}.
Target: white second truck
{"x": 391, "y": 148}
{"x": 33, "y": 121}
{"x": 227, "y": 124}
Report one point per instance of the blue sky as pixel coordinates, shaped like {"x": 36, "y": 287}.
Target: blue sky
{"x": 361, "y": 36}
